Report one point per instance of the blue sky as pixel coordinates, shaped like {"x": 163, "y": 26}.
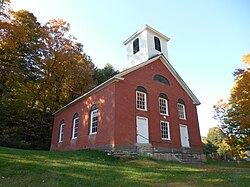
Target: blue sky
{"x": 208, "y": 37}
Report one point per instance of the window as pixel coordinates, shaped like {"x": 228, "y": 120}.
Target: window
{"x": 161, "y": 79}
{"x": 165, "y": 132}
{"x": 157, "y": 43}
{"x": 75, "y": 126}
{"x": 61, "y": 131}
{"x": 94, "y": 119}
{"x": 136, "y": 45}
{"x": 181, "y": 109}
{"x": 163, "y": 104}
{"x": 141, "y": 98}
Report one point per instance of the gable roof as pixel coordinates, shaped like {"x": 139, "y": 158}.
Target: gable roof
{"x": 172, "y": 71}
{"x": 119, "y": 77}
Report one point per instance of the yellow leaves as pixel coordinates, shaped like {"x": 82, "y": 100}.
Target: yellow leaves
{"x": 246, "y": 59}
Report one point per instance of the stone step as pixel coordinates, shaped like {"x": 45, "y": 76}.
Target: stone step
{"x": 188, "y": 158}
{"x": 146, "y": 150}
{"x": 124, "y": 154}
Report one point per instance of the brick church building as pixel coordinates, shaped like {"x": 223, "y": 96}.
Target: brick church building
{"x": 148, "y": 104}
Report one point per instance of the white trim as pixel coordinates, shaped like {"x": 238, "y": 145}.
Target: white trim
{"x": 60, "y": 132}
{"x": 95, "y": 89}
{"x": 167, "y": 114}
{"x": 145, "y": 97}
{"x": 73, "y": 131}
{"x": 172, "y": 71}
{"x": 145, "y": 27}
{"x": 119, "y": 77}
{"x": 169, "y": 137}
{"x": 91, "y": 121}
{"x": 184, "y": 111}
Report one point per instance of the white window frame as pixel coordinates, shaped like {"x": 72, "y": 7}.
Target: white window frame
{"x": 145, "y": 100}
{"x": 182, "y": 112}
{"x": 74, "y": 136}
{"x": 91, "y": 121}
{"x": 61, "y": 133}
{"x": 161, "y": 106}
{"x": 163, "y": 130}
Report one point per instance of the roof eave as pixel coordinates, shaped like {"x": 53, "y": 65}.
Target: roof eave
{"x": 181, "y": 81}
{"x": 100, "y": 86}
{"x": 145, "y": 27}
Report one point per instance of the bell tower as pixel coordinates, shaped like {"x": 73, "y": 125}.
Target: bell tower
{"x": 145, "y": 44}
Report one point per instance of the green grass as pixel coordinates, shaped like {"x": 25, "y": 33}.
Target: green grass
{"x": 93, "y": 168}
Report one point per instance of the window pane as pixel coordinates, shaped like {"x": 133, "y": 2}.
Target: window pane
{"x": 165, "y": 130}
{"x": 140, "y": 100}
{"x": 181, "y": 111}
{"x": 163, "y": 106}
{"x": 136, "y": 46}
{"x": 76, "y": 122}
{"x": 157, "y": 44}
{"x": 94, "y": 121}
{"x": 61, "y": 132}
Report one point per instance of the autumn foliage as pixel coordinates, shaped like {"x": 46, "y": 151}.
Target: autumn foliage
{"x": 42, "y": 68}
{"x": 234, "y": 115}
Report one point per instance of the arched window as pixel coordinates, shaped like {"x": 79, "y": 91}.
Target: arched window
{"x": 75, "y": 126}
{"x": 93, "y": 119}
{"x": 136, "y": 47}
{"x": 157, "y": 43}
{"x": 141, "y": 98}
{"x": 163, "y": 104}
{"x": 61, "y": 131}
{"x": 181, "y": 109}
{"x": 161, "y": 79}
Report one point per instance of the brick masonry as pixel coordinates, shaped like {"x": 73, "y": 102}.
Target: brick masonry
{"x": 117, "y": 114}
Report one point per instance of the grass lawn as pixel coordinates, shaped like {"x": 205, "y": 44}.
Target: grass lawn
{"x": 93, "y": 168}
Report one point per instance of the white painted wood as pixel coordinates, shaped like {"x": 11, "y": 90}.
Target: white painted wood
{"x": 184, "y": 136}
{"x": 142, "y": 129}
{"x": 146, "y": 46}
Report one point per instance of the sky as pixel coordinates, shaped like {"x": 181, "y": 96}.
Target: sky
{"x": 207, "y": 37}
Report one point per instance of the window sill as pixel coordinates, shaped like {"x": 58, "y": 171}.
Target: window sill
{"x": 164, "y": 114}
{"x": 141, "y": 109}
{"x": 165, "y": 139}
{"x": 93, "y": 133}
{"x": 182, "y": 118}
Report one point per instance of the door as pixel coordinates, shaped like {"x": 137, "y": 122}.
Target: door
{"x": 142, "y": 129}
{"x": 184, "y": 136}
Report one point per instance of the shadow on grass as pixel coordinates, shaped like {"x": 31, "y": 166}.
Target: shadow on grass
{"x": 93, "y": 168}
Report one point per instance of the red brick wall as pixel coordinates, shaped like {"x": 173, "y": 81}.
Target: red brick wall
{"x": 105, "y": 136}
{"x": 125, "y": 129}
{"x": 117, "y": 113}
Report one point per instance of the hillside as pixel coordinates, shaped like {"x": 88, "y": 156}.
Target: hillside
{"x": 93, "y": 168}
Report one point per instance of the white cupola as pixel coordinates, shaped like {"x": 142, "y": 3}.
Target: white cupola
{"x": 145, "y": 44}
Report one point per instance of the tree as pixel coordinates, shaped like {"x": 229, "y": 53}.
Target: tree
{"x": 215, "y": 136}
{"x": 235, "y": 114}
{"x": 4, "y": 9}
{"x": 20, "y": 52}
{"x": 41, "y": 69}
{"x": 65, "y": 69}
{"x": 20, "y": 44}
{"x": 101, "y": 75}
